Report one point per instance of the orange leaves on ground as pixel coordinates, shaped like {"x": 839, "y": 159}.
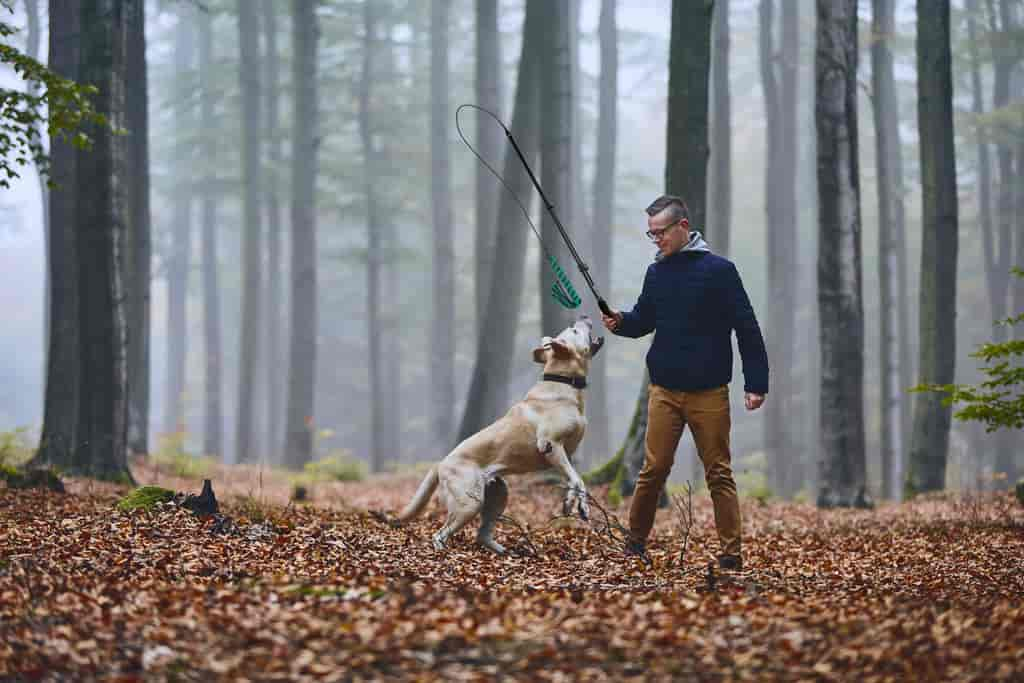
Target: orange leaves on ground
{"x": 917, "y": 591}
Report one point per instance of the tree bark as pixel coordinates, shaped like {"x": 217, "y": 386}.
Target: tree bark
{"x": 249, "y": 78}
{"x": 442, "y": 321}
{"x": 139, "y": 252}
{"x": 374, "y": 259}
{"x": 57, "y": 444}
{"x": 100, "y": 220}
{"x": 686, "y": 158}
{"x": 556, "y": 157}
{"x": 487, "y": 86}
{"x": 843, "y": 475}
{"x": 488, "y": 389}
{"x": 275, "y": 311}
{"x": 930, "y": 440}
{"x": 720, "y": 218}
{"x": 302, "y": 375}
{"x": 181, "y": 231}
{"x": 890, "y": 224}
{"x": 774, "y": 434}
{"x": 213, "y": 443}
{"x": 604, "y": 213}
{"x": 32, "y": 50}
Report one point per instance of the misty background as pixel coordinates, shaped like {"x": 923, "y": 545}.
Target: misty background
{"x": 342, "y": 415}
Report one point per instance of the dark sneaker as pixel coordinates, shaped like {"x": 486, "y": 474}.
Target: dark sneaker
{"x": 634, "y": 547}
{"x": 730, "y": 562}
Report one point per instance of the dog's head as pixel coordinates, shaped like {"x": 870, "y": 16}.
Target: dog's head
{"x": 570, "y": 352}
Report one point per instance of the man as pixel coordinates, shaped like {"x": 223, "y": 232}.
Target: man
{"x": 694, "y": 299}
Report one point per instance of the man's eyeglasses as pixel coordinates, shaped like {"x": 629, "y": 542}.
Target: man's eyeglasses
{"x": 655, "y": 235}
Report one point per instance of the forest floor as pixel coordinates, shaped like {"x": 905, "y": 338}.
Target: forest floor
{"x": 929, "y": 590}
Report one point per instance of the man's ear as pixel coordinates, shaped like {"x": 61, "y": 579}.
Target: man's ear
{"x": 539, "y": 353}
{"x": 561, "y": 349}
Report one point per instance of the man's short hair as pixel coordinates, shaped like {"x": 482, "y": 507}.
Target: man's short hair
{"x": 676, "y": 206}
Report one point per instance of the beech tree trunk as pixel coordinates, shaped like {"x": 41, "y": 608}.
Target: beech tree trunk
{"x": 248, "y": 353}
{"x": 178, "y": 261}
{"x": 442, "y": 322}
{"x": 487, "y": 87}
{"x": 276, "y": 362}
{"x": 302, "y": 366}
{"x": 599, "y": 441}
{"x": 685, "y": 166}
{"x": 488, "y": 389}
{"x": 720, "y": 218}
{"x": 890, "y": 225}
{"x": 843, "y": 473}
{"x": 556, "y": 158}
{"x": 930, "y": 439}
{"x": 101, "y": 212}
{"x": 57, "y": 444}
{"x": 213, "y": 442}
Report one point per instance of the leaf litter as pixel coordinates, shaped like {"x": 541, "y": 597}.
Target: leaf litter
{"x": 331, "y": 591}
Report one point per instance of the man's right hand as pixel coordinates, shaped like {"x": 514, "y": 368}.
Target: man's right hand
{"x": 612, "y": 321}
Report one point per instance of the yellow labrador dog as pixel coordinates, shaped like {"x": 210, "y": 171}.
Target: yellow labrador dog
{"x": 543, "y": 430}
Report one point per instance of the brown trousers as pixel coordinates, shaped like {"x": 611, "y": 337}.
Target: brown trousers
{"x": 707, "y": 414}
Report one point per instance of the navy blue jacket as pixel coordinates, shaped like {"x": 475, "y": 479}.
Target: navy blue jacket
{"x": 694, "y": 300}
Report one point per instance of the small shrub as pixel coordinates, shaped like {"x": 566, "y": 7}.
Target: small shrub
{"x": 337, "y": 466}
{"x": 1020, "y": 491}
{"x": 753, "y": 484}
{"x": 144, "y": 498}
{"x": 171, "y": 457}
{"x": 15, "y": 448}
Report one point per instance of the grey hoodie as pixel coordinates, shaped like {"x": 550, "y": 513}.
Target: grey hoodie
{"x": 696, "y": 243}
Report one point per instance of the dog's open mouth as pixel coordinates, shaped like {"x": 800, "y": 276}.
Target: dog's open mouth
{"x": 595, "y": 345}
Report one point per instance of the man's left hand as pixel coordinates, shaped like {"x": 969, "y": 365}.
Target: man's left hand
{"x": 753, "y": 401}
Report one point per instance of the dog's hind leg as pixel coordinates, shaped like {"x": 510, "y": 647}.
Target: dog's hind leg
{"x": 465, "y": 497}
{"x": 495, "y": 498}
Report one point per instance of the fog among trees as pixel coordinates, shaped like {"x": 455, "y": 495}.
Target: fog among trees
{"x": 315, "y": 265}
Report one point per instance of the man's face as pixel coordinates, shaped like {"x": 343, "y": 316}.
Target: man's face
{"x": 668, "y": 235}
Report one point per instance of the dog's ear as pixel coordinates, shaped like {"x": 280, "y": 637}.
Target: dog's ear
{"x": 540, "y": 351}
{"x": 561, "y": 349}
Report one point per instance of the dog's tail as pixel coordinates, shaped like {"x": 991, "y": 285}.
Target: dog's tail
{"x": 422, "y": 497}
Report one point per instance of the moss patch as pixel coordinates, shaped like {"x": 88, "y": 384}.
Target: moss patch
{"x": 36, "y": 478}
{"x": 144, "y": 498}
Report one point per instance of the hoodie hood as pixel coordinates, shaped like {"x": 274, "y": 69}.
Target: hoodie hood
{"x": 696, "y": 243}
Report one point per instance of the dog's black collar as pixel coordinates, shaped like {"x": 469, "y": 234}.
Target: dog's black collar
{"x": 575, "y": 382}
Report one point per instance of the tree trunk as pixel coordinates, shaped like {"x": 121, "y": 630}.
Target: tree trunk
{"x": 786, "y": 235}
{"x": 604, "y": 213}
{"x": 720, "y": 218}
{"x": 1002, "y": 24}
{"x": 496, "y": 344}
{"x": 249, "y": 77}
{"x": 843, "y": 475}
{"x": 686, "y": 156}
{"x": 774, "y": 246}
{"x": 556, "y": 157}
{"x": 213, "y": 443}
{"x": 100, "y": 219}
{"x": 890, "y": 223}
{"x": 275, "y": 315}
{"x": 487, "y": 86}
{"x": 32, "y": 50}
{"x": 181, "y": 231}
{"x": 442, "y": 321}
{"x": 57, "y": 444}
{"x": 930, "y": 440}
{"x": 374, "y": 260}
{"x": 139, "y": 252}
{"x": 302, "y": 375}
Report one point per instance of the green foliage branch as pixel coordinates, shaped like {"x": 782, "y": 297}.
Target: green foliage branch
{"x": 997, "y": 401}
{"x": 60, "y": 103}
